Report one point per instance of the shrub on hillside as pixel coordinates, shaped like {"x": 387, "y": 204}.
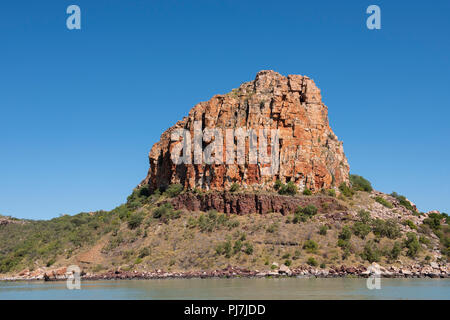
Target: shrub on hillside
{"x": 307, "y": 192}
{"x": 433, "y": 221}
{"x": 288, "y": 189}
{"x": 345, "y": 190}
{"x": 310, "y": 246}
{"x": 214, "y": 220}
{"x": 162, "y": 210}
{"x": 386, "y": 228}
{"x": 173, "y": 190}
{"x": 412, "y": 244}
{"x": 144, "y": 252}
{"x": 395, "y": 251}
{"x": 234, "y": 187}
{"x": 272, "y": 228}
{"x": 361, "y": 229}
{"x": 277, "y": 185}
{"x": 303, "y": 214}
{"x": 312, "y": 262}
{"x": 371, "y": 252}
{"x": 345, "y": 233}
{"x": 410, "y": 224}
{"x": 135, "y": 220}
{"x": 364, "y": 216}
{"x": 248, "y": 248}
{"x": 384, "y": 202}
{"x": 403, "y": 201}
{"x": 360, "y": 184}
{"x": 323, "y": 230}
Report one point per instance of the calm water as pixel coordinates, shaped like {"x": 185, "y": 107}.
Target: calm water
{"x": 289, "y": 288}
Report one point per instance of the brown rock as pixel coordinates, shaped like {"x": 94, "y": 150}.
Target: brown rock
{"x": 309, "y": 153}
{"x": 246, "y": 203}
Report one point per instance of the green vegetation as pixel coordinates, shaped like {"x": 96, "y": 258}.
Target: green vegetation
{"x": 310, "y": 246}
{"x": 144, "y": 252}
{"x": 361, "y": 229}
{"x": 323, "y": 230}
{"x": 395, "y": 251}
{"x": 358, "y": 183}
{"x": 138, "y": 197}
{"x": 364, "y": 216}
{"x": 303, "y": 214}
{"x": 173, "y": 190}
{"x": 312, "y": 262}
{"x": 288, "y": 189}
{"x": 384, "y": 202}
{"x": 410, "y": 224}
{"x": 24, "y": 244}
{"x": 386, "y": 228}
{"x": 346, "y": 191}
{"x": 228, "y": 249}
{"x": 135, "y": 220}
{"x": 278, "y": 184}
{"x": 403, "y": 201}
{"x": 234, "y": 187}
{"x": 272, "y": 228}
{"x": 442, "y": 231}
{"x": 433, "y": 221}
{"x": 307, "y": 192}
{"x": 412, "y": 244}
{"x": 331, "y": 192}
{"x": 371, "y": 252}
{"x": 147, "y": 231}
{"x": 345, "y": 234}
{"x": 213, "y": 221}
{"x": 165, "y": 213}
{"x": 344, "y": 241}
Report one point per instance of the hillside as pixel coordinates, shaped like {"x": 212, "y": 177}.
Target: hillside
{"x": 147, "y": 234}
{"x": 253, "y": 179}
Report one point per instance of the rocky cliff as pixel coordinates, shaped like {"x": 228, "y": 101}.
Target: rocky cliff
{"x": 307, "y": 150}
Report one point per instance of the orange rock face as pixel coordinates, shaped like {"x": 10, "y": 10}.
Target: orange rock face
{"x": 308, "y": 151}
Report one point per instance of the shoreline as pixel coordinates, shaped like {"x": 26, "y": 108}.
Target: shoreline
{"x": 440, "y": 272}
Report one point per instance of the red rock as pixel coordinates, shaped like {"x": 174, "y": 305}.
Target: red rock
{"x": 310, "y": 154}
{"x": 246, "y": 203}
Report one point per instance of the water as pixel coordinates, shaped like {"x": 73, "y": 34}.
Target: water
{"x": 286, "y": 288}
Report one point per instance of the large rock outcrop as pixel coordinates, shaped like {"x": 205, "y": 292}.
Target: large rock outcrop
{"x": 247, "y": 203}
{"x": 309, "y": 154}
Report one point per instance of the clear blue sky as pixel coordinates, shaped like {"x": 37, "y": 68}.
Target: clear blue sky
{"x": 81, "y": 109}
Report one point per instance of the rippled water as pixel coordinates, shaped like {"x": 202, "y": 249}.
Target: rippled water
{"x": 286, "y": 288}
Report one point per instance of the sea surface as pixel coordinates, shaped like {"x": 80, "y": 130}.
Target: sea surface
{"x": 237, "y": 288}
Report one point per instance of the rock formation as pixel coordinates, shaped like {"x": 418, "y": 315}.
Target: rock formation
{"x": 309, "y": 154}
{"x": 246, "y": 203}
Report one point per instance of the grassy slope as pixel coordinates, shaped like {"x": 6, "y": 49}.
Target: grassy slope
{"x": 130, "y": 237}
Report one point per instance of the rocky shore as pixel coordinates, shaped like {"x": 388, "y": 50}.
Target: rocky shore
{"x": 433, "y": 270}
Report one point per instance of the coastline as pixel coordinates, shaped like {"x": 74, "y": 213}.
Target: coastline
{"x": 343, "y": 271}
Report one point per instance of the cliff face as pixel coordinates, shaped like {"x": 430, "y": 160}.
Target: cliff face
{"x": 242, "y": 203}
{"x": 308, "y": 151}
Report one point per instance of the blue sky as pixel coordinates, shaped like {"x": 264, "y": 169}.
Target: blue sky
{"x": 81, "y": 109}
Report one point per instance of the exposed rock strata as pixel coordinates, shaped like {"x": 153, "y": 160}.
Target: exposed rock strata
{"x": 309, "y": 152}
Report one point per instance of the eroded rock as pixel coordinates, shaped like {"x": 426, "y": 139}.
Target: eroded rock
{"x": 310, "y": 154}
